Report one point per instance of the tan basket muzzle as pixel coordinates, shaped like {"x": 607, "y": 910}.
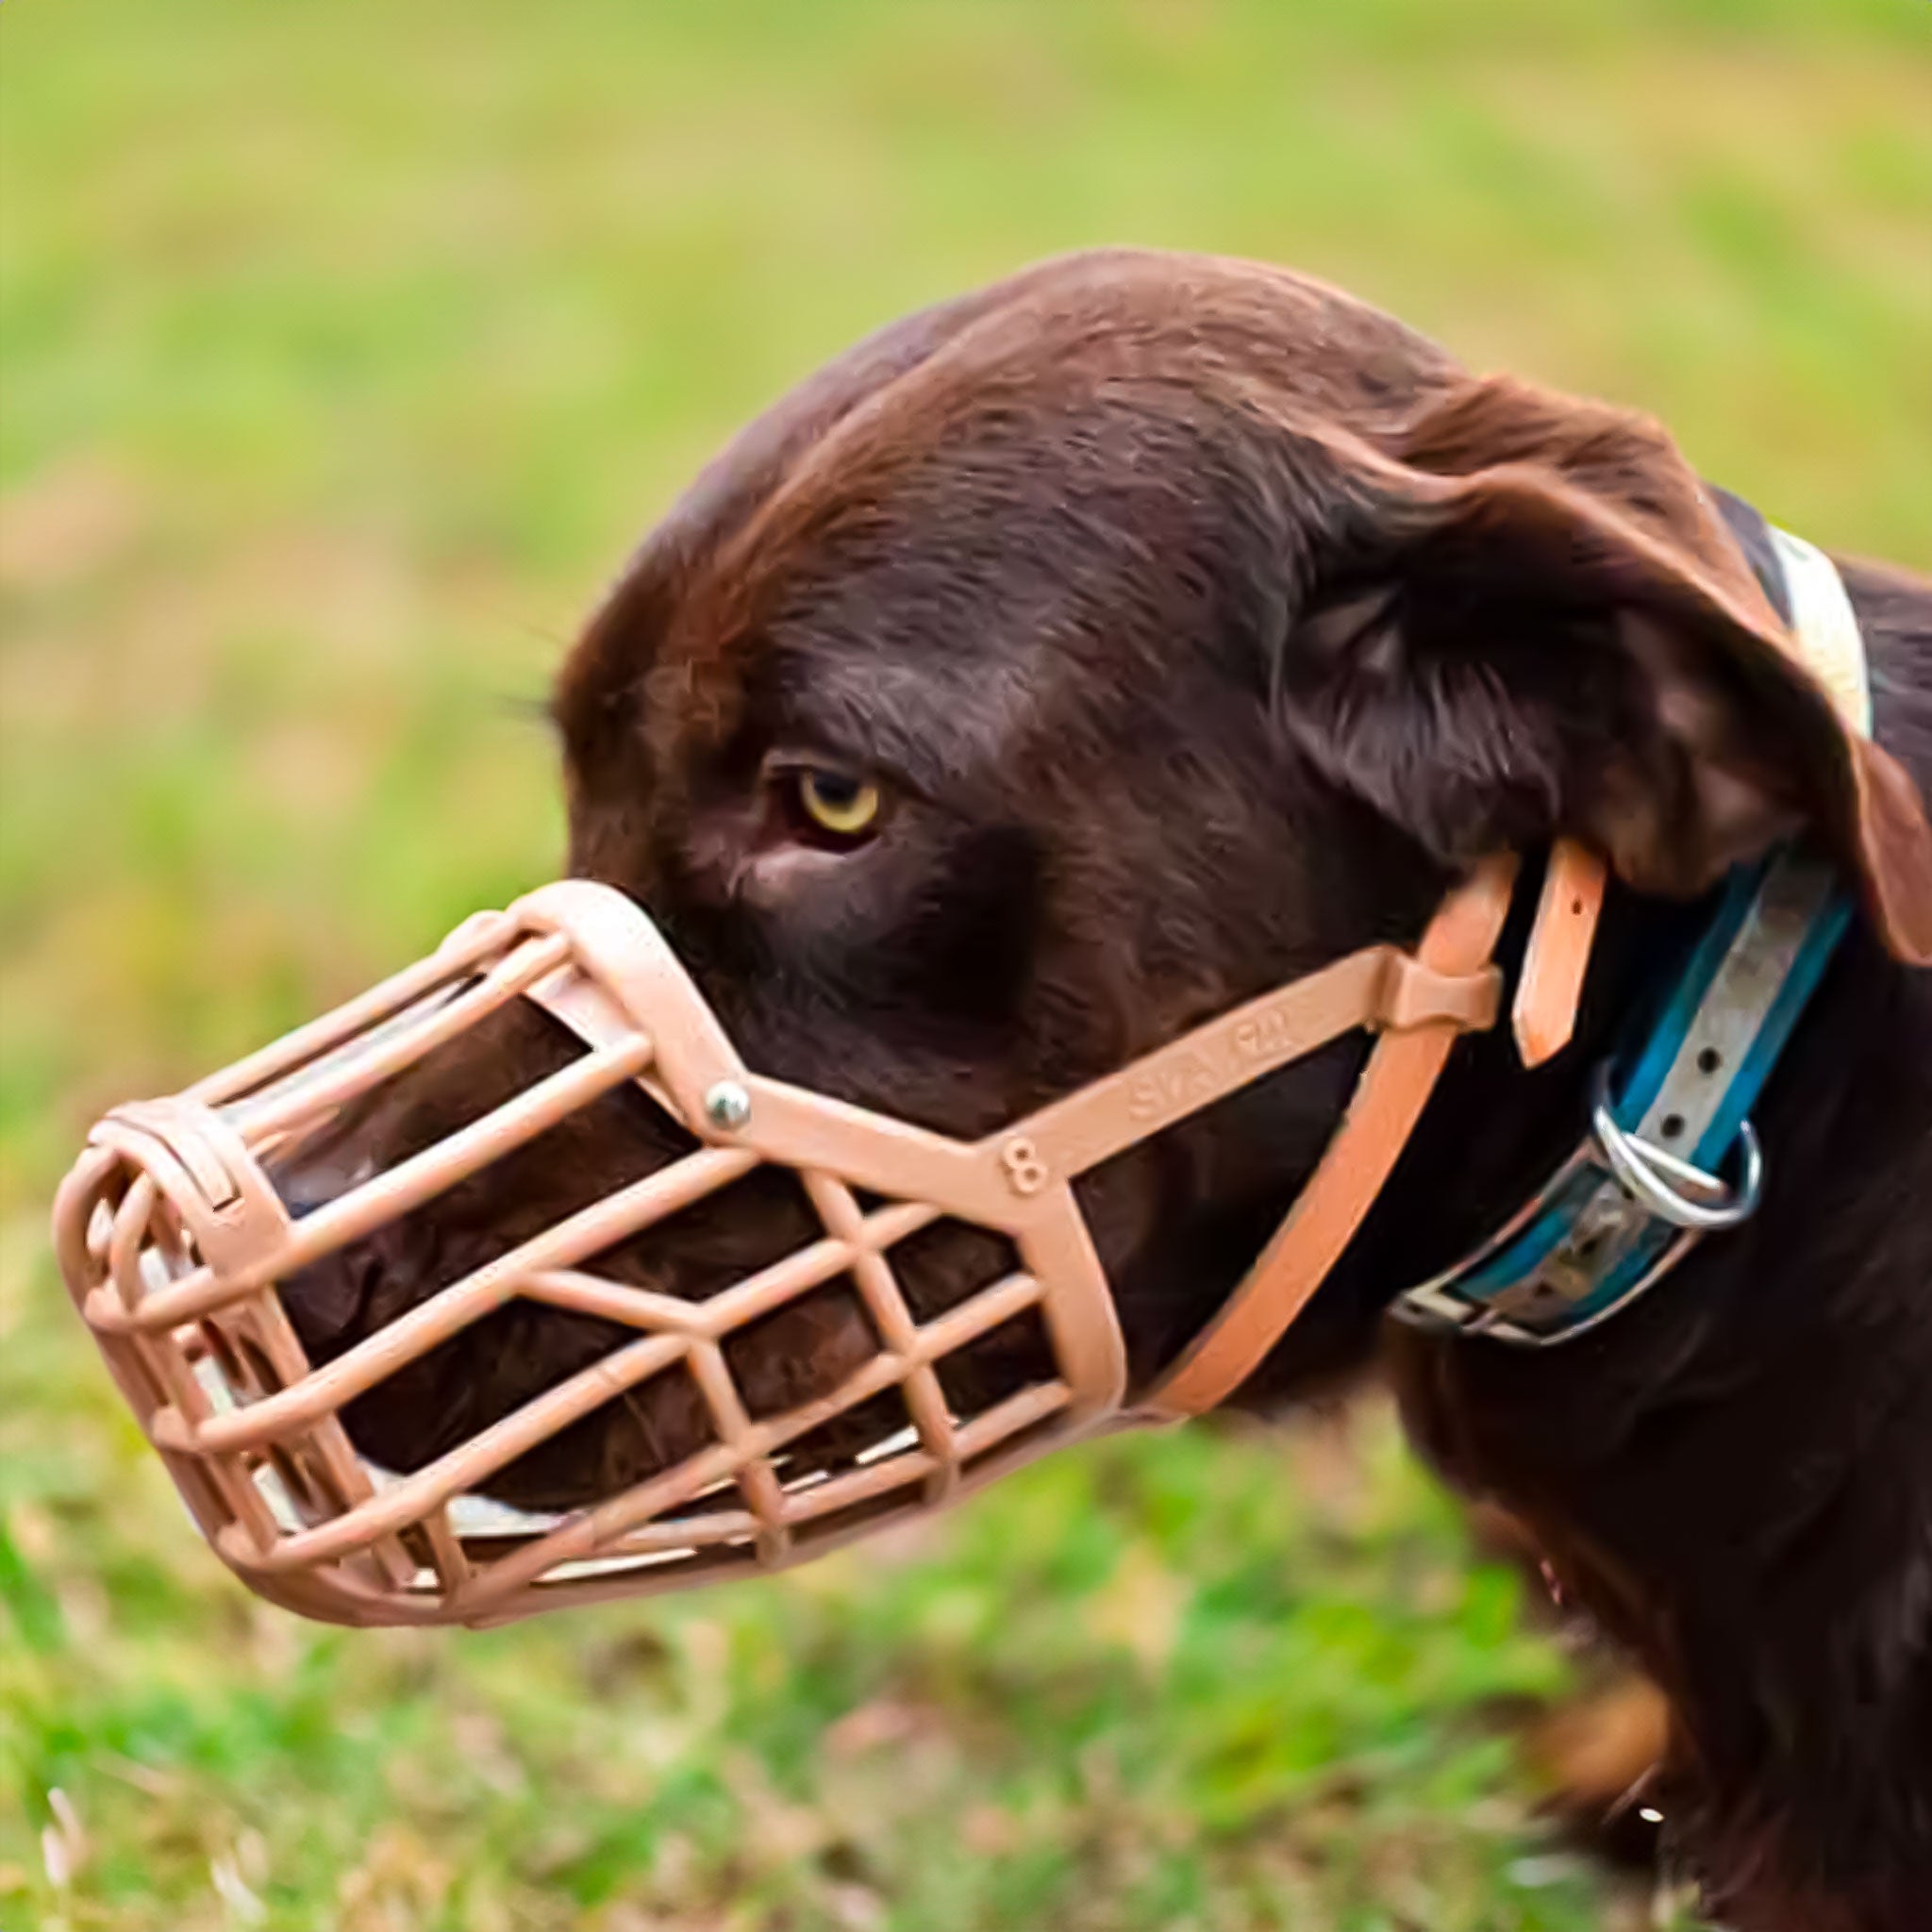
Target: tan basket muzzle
{"x": 174, "y": 1241}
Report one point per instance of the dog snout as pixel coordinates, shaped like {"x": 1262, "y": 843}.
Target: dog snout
{"x": 518, "y": 1350}
{"x": 788, "y": 1359}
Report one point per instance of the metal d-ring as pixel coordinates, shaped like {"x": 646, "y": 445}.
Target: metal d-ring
{"x": 1658, "y": 1179}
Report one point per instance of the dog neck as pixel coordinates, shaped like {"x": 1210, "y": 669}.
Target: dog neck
{"x": 1735, "y": 1475}
{"x": 1614, "y": 1211}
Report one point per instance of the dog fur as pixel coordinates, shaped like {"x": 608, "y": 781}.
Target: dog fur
{"x": 1203, "y": 624}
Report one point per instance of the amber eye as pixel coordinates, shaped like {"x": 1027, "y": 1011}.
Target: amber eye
{"x": 834, "y": 803}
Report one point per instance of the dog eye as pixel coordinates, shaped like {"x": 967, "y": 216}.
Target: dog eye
{"x": 832, "y": 805}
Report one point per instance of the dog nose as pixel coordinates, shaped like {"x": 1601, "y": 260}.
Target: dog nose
{"x": 325, "y": 1301}
{"x": 302, "y": 1195}
{"x": 314, "y": 1176}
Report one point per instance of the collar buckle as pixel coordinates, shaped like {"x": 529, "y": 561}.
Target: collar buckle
{"x": 1672, "y": 1190}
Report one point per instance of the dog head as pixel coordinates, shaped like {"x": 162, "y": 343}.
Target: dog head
{"x": 1055, "y": 670}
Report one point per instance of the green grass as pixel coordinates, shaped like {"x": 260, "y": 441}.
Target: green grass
{"x": 343, "y": 350}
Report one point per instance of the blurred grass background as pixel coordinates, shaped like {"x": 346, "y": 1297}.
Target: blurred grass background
{"x": 343, "y": 351}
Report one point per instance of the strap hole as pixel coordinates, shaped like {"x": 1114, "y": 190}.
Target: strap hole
{"x": 1710, "y": 1060}
{"x": 1671, "y": 1126}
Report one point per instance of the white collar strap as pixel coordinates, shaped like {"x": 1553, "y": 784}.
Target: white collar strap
{"x": 1826, "y": 627}
{"x": 1671, "y": 1157}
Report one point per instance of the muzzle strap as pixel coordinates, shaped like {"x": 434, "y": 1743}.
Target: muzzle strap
{"x": 1380, "y": 988}
{"x": 1395, "y": 1087}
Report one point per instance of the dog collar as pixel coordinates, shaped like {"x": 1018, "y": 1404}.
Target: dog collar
{"x": 1670, "y": 1156}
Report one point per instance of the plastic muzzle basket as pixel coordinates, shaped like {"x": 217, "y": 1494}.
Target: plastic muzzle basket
{"x": 175, "y": 1243}
{"x": 173, "y": 1239}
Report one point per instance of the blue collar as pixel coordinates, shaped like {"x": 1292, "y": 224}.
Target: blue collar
{"x": 1671, "y": 1157}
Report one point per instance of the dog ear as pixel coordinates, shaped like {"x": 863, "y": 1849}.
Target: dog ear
{"x": 1539, "y": 629}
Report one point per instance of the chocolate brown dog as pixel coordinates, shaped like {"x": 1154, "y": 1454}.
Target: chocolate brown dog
{"x": 1071, "y": 661}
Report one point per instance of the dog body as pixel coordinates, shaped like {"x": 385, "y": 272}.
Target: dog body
{"x": 1736, "y": 1474}
{"x": 1189, "y": 625}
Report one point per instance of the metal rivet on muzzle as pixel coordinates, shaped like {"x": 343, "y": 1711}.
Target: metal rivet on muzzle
{"x": 727, "y": 1106}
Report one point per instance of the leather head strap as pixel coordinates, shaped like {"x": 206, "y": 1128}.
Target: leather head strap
{"x": 1544, "y": 1015}
{"x": 1395, "y": 1087}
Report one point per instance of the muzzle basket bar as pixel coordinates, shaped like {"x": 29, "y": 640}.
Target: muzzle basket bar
{"x": 175, "y": 1239}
